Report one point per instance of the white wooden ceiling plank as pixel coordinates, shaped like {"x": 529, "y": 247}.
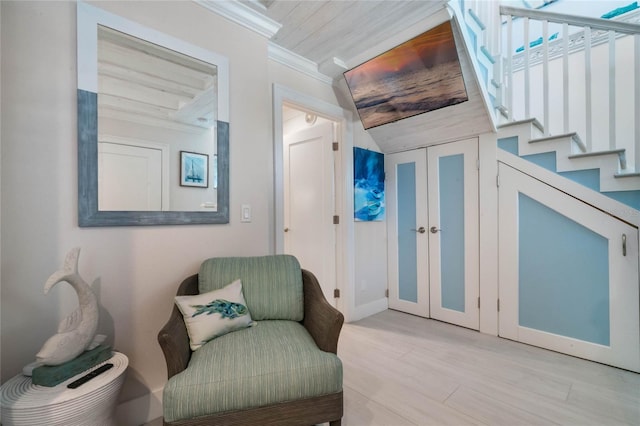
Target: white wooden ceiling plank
{"x": 297, "y": 23}
{"x": 117, "y": 103}
{"x": 127, "y": 90}
{"x": 345, "y": 22}
{"x": 353, "y": 29}
{"x": 150, "y": 121}
{"x": 122, "y": 73}
{"x": 200, "y": 111}
{"x": 367, "y": 24}
{"x": 388, "y": 24}
{"x": 135, "y": 44}
{"x": 311, "y": 27}
{"x": 151, "y": 65}
{"x": 281, "y": 10}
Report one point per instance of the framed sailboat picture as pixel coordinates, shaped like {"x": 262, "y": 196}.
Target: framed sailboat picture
{"x": 194, "y": 169}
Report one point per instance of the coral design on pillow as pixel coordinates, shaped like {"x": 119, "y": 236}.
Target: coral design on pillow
{"x": 228, "y": 302}
{"x": 223, "y": 307}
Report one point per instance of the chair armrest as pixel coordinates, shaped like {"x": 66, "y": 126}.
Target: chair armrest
{"x": 321, "y": 320}
{"x": 173, "y": 337}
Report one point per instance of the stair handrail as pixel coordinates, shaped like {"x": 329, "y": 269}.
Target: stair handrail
{"x": 575, "y": 20}
{"x": 505, "y": 105}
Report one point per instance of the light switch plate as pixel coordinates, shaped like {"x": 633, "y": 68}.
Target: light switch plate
{"x": 245, "y": 215}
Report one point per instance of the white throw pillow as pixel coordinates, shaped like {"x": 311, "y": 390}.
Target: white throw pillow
{"x": 212, "y": 314}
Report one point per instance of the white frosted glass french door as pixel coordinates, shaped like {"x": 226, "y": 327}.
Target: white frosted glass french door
{"x": 432, "y": 207}
{"x": 454, "y": 233}
{"x": 406, "y": 174}
{"x": 568, "y": 274}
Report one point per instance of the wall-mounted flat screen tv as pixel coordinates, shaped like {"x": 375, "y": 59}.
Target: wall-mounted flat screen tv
{"x": 420, "y": 75}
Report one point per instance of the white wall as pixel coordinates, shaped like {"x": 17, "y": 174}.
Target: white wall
{"x": 298, "y": 123}
{"x": 370, "y": 248}
{"x": 135, "y": 270}
{"x": 370, "y": 238}
{"x": 292, "y": 79}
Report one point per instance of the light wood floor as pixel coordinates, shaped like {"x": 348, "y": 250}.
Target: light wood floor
{"x": 402, "y": 370}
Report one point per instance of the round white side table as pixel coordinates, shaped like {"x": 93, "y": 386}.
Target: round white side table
{"x": 91, "y": 404}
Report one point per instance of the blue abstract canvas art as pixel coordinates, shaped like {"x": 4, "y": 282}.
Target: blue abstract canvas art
{"x": 368, "y": 185}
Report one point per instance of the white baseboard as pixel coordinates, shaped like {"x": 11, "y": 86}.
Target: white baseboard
{"x": 368, "y": 309}
{"x": 141, "y": 410}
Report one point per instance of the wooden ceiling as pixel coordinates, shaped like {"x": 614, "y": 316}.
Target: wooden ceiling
{"x": 323, "y": 30}
{"x": 145, "y": 83}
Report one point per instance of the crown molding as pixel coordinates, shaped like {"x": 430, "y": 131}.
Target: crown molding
{"x": 267, "y": 27}
{"x": 257, "y": 5}
{"x": 296, "y": 62}
{"x": 333, "y": 67}
{"x": 243, "y": 15}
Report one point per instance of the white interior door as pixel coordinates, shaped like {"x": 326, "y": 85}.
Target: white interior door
{"x": 454, "y": 233}
{"x": 568, "y": 274}
{"x": 309, "y": 200}
{"x": 129, "y": 177}
{"x": 406, "y": 174}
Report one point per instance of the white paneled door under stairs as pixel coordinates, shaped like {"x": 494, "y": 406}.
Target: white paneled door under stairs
{"x": 433, "y": 232}
{"x": 568, "y": 273}
{"x": 568, "y": 246}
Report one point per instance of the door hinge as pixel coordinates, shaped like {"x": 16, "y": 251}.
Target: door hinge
{"x": 336, "y": 292}
{"x": 335, "y": 146}
{"x": 386, "y": 293}
{"x": 478, "y": 303}
{"x": 336, "y": 220}
{"x": 478, "y": 164}
{"x": 498, "y": 181}
{"x": 498, "y": 305}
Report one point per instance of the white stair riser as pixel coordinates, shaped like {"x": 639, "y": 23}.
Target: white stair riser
{"x": 564, "y": 146}
{"x": 524, "y": 131}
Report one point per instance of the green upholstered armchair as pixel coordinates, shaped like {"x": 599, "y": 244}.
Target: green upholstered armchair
{"x": 282, "y": 371}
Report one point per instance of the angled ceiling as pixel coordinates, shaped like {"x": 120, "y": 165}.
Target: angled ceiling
{"x": 337, "y": 31}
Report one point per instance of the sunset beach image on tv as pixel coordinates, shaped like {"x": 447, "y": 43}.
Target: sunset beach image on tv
{"x": 420, "y": 75}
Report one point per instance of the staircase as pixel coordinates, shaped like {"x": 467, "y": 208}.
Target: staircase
{"x": 529, "y": 61}
{"x": 566, "y": 155}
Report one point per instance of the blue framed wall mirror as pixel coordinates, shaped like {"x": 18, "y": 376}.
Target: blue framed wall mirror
{"x": 143, "y": 98}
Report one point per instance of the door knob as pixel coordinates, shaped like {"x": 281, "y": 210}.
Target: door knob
{"x": 434, "y": 230}
{"x": 286, "y": 229}
{"x": 420, "y": 230}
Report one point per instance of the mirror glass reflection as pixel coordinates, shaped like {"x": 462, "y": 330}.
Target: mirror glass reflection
{"x": 157, "y": 127}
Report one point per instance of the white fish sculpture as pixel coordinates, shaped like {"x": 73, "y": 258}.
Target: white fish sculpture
{"x": 77, "y": 331}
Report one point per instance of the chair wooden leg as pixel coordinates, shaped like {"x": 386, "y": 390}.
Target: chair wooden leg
{"x": 336, "y": 423}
